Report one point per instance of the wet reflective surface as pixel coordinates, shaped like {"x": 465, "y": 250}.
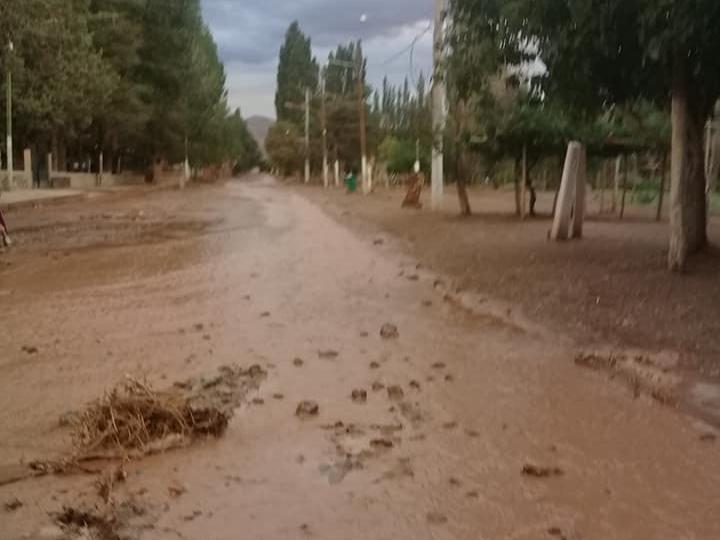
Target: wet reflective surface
{"x": 272, "y": 279}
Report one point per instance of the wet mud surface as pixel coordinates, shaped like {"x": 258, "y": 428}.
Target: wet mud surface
{"x": 388, "y": 410}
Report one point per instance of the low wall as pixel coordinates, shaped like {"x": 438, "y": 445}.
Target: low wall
{"x": 20, "y": 181}
{"x": 90, "y": 180}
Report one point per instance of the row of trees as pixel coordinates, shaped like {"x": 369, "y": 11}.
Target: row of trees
{"x": 398, "y": 118}
{"x": 140, "y": 80}
{"x": 614, "y": 71}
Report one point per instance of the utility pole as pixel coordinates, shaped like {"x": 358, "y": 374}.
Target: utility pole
{"x": 361, "y": 111}
{"x": 438, "y": 105}
{"x": 323, "y": 115}
{"x": 307, "y": 135}
{"x": 10, "y": 181}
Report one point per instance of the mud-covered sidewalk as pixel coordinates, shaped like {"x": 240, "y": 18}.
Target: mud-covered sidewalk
{"x": 428, "y": 414}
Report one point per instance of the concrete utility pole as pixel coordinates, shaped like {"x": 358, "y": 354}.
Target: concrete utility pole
{"x": 10, "y": 181}
{"x": 439, "y": 98}
{"x": 323, "y": 116}
{"x": 307, "y": 135}
{"x": 361, "y": 111}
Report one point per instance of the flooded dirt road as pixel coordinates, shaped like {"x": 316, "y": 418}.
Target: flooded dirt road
{"x": 462, "y": 425}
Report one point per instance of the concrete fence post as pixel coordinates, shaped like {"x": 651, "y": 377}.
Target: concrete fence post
{"x": 580, "y": 198}
{"x": 27, "y": 168}
{"x": 567, "y": 196}
{"x": 49, "y": 168}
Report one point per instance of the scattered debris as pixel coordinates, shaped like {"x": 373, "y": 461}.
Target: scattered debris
{"x": 264, "y": 314}
{"x": 374, "y": 365}
{"x": 328, "y": 354}
{"x": 472, "y": 433}
{"x": 473, "y": 494}
{"x": 450, "y": 425}
{"x": 177, "y": 489}
{"x": 29, "y": 349}
{"x": 414, "y": 385}
{"x": 413, "y": 277}
{"x": 377, "y": 386}
{"x": 307, "y": 409}
{"x": 359, "y": 396}
{"x": 642, "y": 373}
{"x": 454, "y": 481}
{"x": 258, "y": 401}
{"x": 389, "y": 331}
{"x": 395, "y": 393}
{"x": 438, "y": 365}
{"x": 278, "y": 397}
{"x": 449, "y": 377}
{"x": 13, "y": 504}
{"x": 541, "y": 472}
{"x": 378, "y": 241}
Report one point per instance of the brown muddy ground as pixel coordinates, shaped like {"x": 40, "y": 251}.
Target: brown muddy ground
{"x": 468, "y": 424}
{"x": 610, "y": 289}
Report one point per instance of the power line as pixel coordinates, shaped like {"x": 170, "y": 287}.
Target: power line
{"x": 410, "y": 48}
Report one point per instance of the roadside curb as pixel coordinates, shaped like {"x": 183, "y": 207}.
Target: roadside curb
{"x": 78, "y": 197}
{"x": 48, "y": 201}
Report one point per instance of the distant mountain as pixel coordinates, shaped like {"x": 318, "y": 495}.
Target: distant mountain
{"x": 259, "y": 127}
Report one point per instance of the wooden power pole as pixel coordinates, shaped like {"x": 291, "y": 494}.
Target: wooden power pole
{"x": 439, "y": 113}
{"x": 323, "y": 118}
{"x": 307, "y": 135}
{"x": 361, "y": 112}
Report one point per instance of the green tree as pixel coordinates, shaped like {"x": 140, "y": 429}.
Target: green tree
{"x": 297, "y": 70}
{"x": 614, "y": 52}
{"x": 285, "y": 147}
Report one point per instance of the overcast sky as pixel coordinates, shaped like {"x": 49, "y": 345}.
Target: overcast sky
{"x": 250, "y": 33}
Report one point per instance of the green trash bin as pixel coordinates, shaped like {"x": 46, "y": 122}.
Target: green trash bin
{"x": 351, "y": 182}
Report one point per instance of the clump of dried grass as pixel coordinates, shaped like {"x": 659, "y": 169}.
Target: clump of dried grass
{"x": 135, "y": 418}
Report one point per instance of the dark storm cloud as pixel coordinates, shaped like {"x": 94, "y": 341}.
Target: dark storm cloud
{"x": 251, "y": 31}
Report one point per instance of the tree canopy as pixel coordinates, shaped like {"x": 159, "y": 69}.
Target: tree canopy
{"x": 138, "y": 79}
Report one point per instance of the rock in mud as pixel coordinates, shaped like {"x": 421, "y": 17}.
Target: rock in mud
{"x": 29, "y": 349}
{"x": 298, "y": 362}
{"x": 414, "y": 385}
{"x": 377, "y": 386}
{"x": 307, "y": 409}
{"x": 374, "y": 365}
{"x": 535, "y": 471}
{"x": 12, "y": 505}
{"x": 389, "y": 331}
{"x": 328, "y": 354}
{"x": 381, "y": 444}
{"x": 395, "y": 393}
{"x": 438, "y": 365}
{"x": 279, "y": 397}
{"x": 436, "y": 518}
{"x": 359, "y": 396}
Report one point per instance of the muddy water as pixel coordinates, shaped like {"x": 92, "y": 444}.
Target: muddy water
{"x": 271, "y": 279}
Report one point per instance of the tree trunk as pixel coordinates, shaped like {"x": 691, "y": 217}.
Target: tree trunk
{"x": 463, "y": 198}
{"x": 688, "y": 210}
{"x": 663, "y": 181}
{"x": 518, "y": 192}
